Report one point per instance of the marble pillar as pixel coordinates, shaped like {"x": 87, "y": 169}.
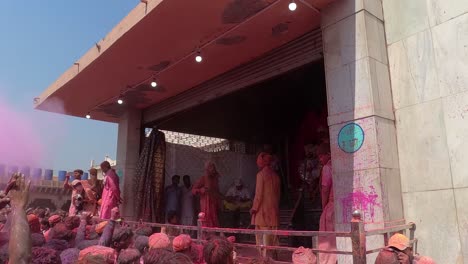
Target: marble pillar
{"x": 360, "y": 116}
{"x": 428, "y": 56}
{"x": 128, "y": 149}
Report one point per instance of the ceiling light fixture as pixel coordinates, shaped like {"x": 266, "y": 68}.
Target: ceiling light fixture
{"x": 292, "y": 6}
{"x": 154, "y": 83}
{"x": 198, "y": 58}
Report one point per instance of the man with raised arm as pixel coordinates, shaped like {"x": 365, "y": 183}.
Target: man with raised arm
{"x": 20, "y": 237}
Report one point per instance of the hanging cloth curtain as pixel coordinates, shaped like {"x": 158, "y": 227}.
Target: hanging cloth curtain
{"x": 149, "y": 178}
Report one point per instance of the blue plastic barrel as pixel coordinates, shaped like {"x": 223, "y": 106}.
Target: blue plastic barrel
{"x": 12, "y": 169}
{"x": 26, "y": 171}
{"x": 2, "y": 170}
{"x": 48, "y": 175}
{"x": 61, "y": 175}
{"x": 85, "y": 176}
{"x": 36, "y": 174}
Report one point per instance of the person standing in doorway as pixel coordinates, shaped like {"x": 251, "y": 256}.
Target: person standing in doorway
{"x": 187, "y": 210}
{"x": 111, "y": 193}
{"x": 265, "y": 209}
{"x": 327, "y": 219}
{"x": 173, "y": 195}
{"x": 208, "y": 189}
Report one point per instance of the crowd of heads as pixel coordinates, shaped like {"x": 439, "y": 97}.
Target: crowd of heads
{"x": 54, "y": 237}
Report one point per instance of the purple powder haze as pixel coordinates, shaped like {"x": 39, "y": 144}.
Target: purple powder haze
{"x": 26, "y": 138}
{"x": 19, "y": 143}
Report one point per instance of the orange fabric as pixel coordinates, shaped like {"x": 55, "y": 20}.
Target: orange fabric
{"x": 34, "y": 223}
{"x": 327, "y": 218}
{"x": 399, "y": 241}
{"x": 158, "y": 240}
{"x": 181, "y": 243}
{"x": 264, "y": 159}
{"x": 266, "y": 201}
{"x": 100, "y": 227}
{"x": 54, "y": 219}
{"x": 109, "y": 255}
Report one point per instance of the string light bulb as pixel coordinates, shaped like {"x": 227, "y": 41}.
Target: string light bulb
{"x": 198, "y": 58}
{"x": 88, "y": 116}
{"x": 292, "y": 6}
{"x": 154, "y": 83}
{"x": 120, "y": 101}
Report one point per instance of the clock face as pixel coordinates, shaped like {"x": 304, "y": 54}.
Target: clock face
{"x": 351, "y": 138}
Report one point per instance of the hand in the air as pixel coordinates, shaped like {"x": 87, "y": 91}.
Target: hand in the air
{"x": 86, "y": 216}
{"x": 115, "y": 213}
{"x": 19, "y": 192}
{"x": 403, "y": 258}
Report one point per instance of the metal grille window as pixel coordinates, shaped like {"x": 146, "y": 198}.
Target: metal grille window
{"x": 208, "y": 144}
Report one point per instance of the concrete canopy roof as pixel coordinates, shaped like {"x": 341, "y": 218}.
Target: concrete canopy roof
{"x": 160, "y": 39}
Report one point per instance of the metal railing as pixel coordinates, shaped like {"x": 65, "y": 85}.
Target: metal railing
{"x": 358, "y": 236}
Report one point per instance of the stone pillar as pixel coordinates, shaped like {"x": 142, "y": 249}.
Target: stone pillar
{"x": 361, "y": 119}
{"x": 128, "y": 150}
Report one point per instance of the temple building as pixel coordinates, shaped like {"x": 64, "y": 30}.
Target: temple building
{"x": 384, "y": 82}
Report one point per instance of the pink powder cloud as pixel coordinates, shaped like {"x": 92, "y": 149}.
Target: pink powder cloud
{"x": 27, "y": 138}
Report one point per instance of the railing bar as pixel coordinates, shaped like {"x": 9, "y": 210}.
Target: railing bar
{"x": 247, "y": 259}
{"x": 374, "y": 250}
{"x": 293, "y": 249}
{"x": 276, "y": 232}
{"x": 387, "y": 230}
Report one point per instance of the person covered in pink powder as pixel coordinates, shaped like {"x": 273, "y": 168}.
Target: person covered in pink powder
{"x": 327, "y": 219}
{"x": 208, "y": 189}
{"x": 111, "y": 193}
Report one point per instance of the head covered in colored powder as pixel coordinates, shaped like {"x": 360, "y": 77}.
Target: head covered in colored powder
{"x": 264, "y": 160}
{"x": 303, "y": 256}
{"x": 98, "y": 253}
{"x": 210, "y": 168}
{"x": 158, "y": 240}
{"x": 181, "y": 243}
{"x": 105, "y": 166}
{"x": 34, "y": 223}
{"x": 218, "y": 251}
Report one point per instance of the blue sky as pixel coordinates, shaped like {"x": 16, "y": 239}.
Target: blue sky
{"x": 39, "y": 40}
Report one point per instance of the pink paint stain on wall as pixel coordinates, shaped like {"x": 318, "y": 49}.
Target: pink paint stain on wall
{"x": 366, "y": 202}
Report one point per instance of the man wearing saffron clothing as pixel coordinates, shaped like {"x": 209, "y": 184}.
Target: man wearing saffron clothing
{"x": 111, "y": 193}
{"x": 208, "y": 189}
{"x": 327, "y": 219}
{"x": 265, "y": 209}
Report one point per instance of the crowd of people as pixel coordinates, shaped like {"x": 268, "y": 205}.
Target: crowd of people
{"x": 95, "y": 197}
{"x": 41, "y": 236}
{"x": 92, "y": 230}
